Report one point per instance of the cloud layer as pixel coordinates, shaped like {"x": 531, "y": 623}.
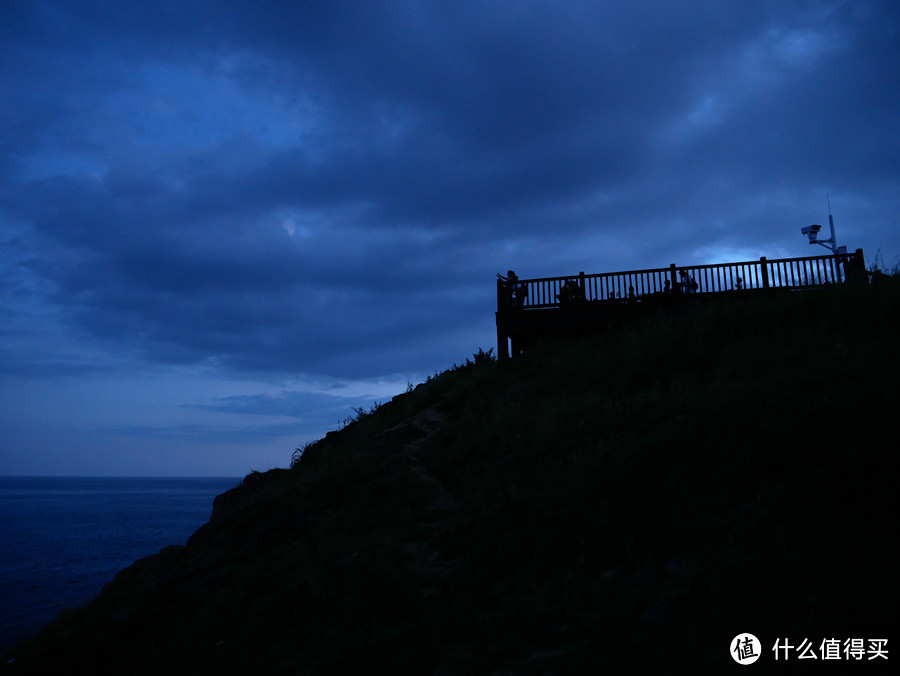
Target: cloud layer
{"x": 326, "y": 190}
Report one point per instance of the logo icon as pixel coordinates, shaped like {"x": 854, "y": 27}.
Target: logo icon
{"x": 745, "y": 648}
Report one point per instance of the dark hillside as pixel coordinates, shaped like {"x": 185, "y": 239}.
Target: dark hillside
{"x": 633, "y": 500}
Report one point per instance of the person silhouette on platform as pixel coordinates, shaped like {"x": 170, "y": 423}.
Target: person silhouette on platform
{"x": 687, "y": 284}
{"x": 570, "y": 292}
{"x": 511, "y": 286}
{"x": 565, "y": 293}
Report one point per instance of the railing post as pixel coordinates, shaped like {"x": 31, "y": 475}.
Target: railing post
{"x": 855, "y": 267}
{"x": 674, "y": 275}
{"x": 765, "y": 271}
{"x": 503, "y": 303}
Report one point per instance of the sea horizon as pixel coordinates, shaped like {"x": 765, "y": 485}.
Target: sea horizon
{"x": 65, "y": 537}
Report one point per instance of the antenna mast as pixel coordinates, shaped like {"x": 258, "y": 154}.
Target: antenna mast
{"x": 834, "y": 246}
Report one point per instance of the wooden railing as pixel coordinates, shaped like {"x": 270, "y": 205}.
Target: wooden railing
{"x": 637, "y": 285}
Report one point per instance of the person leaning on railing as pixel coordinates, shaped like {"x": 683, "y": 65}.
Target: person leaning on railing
{"x": 570, "y": 292}
{"x": 687, "y": 284}
{"x": 511, "y": 287}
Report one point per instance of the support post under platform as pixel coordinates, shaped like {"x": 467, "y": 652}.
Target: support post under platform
{"x": 502, "y": 343}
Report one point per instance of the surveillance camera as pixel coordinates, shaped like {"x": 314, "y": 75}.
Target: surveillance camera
{"x": 811, "y": 230}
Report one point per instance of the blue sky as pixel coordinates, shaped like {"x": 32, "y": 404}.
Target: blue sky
{"x": 225, "y": 225}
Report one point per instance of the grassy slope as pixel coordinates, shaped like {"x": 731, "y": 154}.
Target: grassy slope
{"x": 642, "y": 496}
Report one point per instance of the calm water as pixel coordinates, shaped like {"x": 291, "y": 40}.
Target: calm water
{"x": 62, "y": 539}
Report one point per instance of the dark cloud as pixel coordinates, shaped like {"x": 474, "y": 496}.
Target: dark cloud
{"x": 329, "y": 188}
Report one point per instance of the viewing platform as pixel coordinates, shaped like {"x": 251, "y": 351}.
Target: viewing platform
{"x": 528, "y": 309}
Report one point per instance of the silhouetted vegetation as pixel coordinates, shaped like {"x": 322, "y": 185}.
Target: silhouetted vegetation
{"x": 633, "y": 499}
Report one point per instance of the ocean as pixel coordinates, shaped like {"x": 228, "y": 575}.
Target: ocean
{"x": 63, "y": 538}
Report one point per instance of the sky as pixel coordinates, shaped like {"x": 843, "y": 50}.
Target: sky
{"x": 226, "y": 225}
